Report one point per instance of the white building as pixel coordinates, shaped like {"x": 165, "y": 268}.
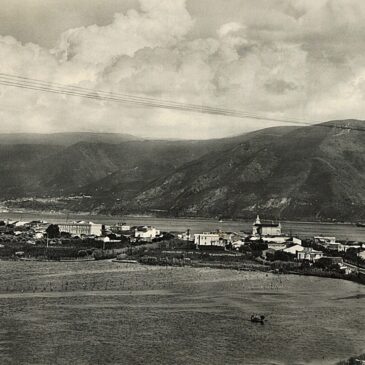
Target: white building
{"x": 276, "y": 246}
{"x": 237, "y": 244}
{"x": 309, "y": 254}
{"x": 324, "y": 240}
{"x": 120, "y": 227}
{"x": 146, "y": 232}
{"x": 209, "y": 239}
{"x": 20, "y": 224}
{"x": 296, "y": 240}
{"x": 80, "y": 228}
{"x": 275, "y": 239}
{"x": 38, "y": 235}
{"x": 186, "y": 236}
{"x": 294, "y": 249}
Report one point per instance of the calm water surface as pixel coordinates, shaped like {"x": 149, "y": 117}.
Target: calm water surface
{"x": 108, "y": 313}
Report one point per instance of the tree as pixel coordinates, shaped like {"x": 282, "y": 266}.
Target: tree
{"x": 351, "y": 254}
{"x": 53, "y": 231}
{"x": 283, "y": 256}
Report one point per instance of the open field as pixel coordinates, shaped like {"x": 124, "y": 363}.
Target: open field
{"x": 107, "y": 313}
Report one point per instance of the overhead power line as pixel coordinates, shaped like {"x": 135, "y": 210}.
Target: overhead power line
{"x": 88, "y": 93}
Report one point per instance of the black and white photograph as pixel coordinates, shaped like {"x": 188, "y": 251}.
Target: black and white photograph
{"x": 182, "y": 182}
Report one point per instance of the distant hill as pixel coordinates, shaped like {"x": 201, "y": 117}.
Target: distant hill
{"x": 309, "y": 172}
{"x": 314, "y": 172}
{"x": 64, "y": 139}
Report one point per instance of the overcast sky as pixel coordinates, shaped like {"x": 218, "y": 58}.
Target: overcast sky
{"x": 301, "y": 59}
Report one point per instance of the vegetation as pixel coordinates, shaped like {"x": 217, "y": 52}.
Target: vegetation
{"x": 304, "y": 166}
{"x": 53, "y": 231}
{"x": 355, "y": 360}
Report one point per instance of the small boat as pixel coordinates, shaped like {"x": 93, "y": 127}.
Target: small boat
{"x": 258, "y": 318}
{"x": 360, "y": 224}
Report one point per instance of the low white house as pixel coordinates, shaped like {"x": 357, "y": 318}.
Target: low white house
{"x": 38, "y": 235}
{"x": 322, "y": 240}
{"x": 209, "y": 239}
{"x": 206, "y": 239}
{"x": 185, "y": 236}
{"x": 276, "y": 246}
{"x": 103, "y": 239}
{"x": 275, "y": 239}
{"x": 120, "y": 227}
{"x": 146, "y": 232}
{"x": 19, "y": 223}
{"x": 296, "y": 240}
{"x": 238, "y": 244}
{"x": 294, "y": 249}
{"x": 309, "y": 254}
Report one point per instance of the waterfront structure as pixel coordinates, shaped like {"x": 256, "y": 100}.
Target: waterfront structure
{"x": 81, "y": 228}
{"x": 309, "y": 254}
{"x": 265, "y": 229}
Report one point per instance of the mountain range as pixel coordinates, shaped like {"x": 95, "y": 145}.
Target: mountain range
{"x": 311, "y": 172}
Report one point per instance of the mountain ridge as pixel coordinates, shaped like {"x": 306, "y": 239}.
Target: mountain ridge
{"x": 311, "y": 172}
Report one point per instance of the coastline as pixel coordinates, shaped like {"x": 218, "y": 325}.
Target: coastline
{"x": 66, "y": 213}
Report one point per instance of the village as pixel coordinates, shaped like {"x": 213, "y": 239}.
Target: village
{"x": 266, "y": 247}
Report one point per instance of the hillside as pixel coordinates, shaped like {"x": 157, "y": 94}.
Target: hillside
{"x": 93, "y": 167}
{"x": 311, "y": 172}
{"x": 314, "y": 172}
{"x": 64, "y": 139}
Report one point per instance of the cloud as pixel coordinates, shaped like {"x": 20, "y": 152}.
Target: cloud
{"x": 283, "y": 58}
{"x": 228, "y": 28}
{"x": 160, "y": 23}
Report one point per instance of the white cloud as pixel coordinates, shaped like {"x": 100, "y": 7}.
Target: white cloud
{"x": 161, "y": 23}
{"x": 286, "y": 58}
{"x": 228, "y": 28}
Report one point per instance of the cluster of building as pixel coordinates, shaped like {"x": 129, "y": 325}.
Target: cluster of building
{"x": 28, "y": 232}
{"x": 135, "y": 233}
{"x": 33, "y": 231}
{"x": 271, "y": 234}
{"x": 268, "y": 233}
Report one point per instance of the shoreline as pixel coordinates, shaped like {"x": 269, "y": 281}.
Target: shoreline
{"x": 65, "y": 214}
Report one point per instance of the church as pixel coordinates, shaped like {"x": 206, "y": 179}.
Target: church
{"x": 265, "y": 229}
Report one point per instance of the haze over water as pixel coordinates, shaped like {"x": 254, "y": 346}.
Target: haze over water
{"x": 107, "y": 313}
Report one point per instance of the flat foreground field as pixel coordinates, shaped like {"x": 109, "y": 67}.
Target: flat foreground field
{"x": 112, "y": 313}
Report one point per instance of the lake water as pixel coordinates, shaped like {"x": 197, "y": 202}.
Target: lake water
{"x": 302, "y": 229}
{"x": 109, "y": 313}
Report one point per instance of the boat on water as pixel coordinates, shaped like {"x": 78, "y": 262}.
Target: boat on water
{"x": 256, "y": 318}
{"x": 360, "y": 224}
